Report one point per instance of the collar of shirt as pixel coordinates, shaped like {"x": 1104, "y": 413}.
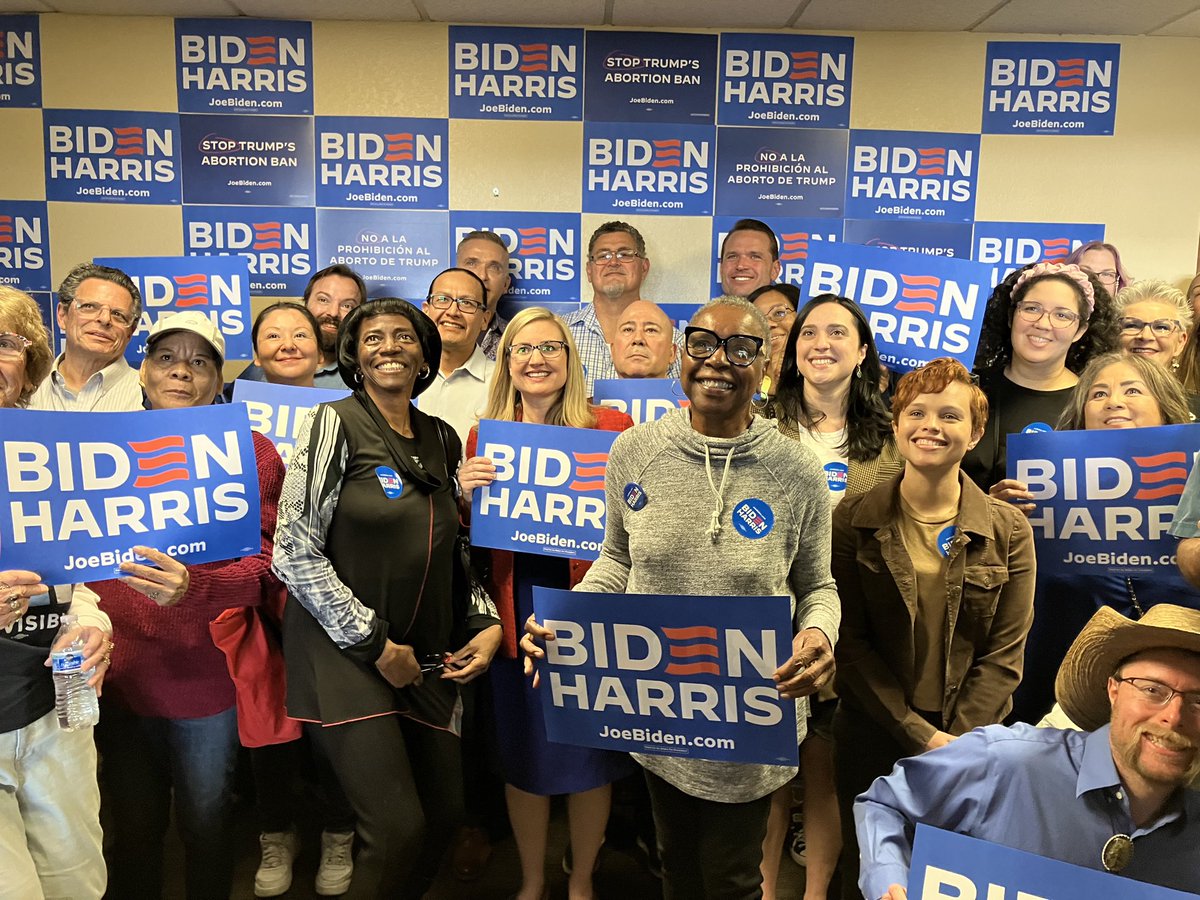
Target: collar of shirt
{"x": 1098, "y": 772}
{"x": 114, "y": 369}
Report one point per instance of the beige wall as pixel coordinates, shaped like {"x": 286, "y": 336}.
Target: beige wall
{"x": 1144, "y": 182}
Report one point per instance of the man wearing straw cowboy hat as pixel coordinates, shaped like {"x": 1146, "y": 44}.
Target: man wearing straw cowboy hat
{"x": 1109, "y": 797}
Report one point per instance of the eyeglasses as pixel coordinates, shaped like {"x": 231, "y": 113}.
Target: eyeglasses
{"x": 466, "y": 305}
{"x": 1059, "y": 318}
{"x": 433, "y": 662}
{"x": 779, "y": 313}
{"x": 548, "y": 349}
{"x": 86, "y": 309}
{"x": 13, "y": 346}
{"x": 1157, "y": 695}
{"x": 1108, "y": 276}
{"x": 740, "y": 349}
{"x": 621, "y": 256}
{"x": 1159, "y": 327}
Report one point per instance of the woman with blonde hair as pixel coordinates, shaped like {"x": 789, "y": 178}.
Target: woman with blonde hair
{"x": 539, "y": 379}
{"x": 1155, "y": 320}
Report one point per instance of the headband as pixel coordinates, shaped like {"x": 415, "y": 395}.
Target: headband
{"x": 1074, "y": 273}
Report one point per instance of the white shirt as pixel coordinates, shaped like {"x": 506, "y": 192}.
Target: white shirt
{"x": 115, "y": 388}
{"x": 460, "y": 397}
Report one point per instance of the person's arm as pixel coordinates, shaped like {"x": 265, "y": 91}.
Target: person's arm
{"x": 96, "y": 630}
{"x": 310, "y": 495}
{"x": 610, "y": 572}
{"x": 1186, "y": 527}
{"x": 861, "y": 670}
{"x": 947, "y": 789}
{"x": 996, "y": 672}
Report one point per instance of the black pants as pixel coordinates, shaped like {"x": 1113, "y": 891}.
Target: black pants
{"x": 278, "y": 775}
{"x": 404, "y": 782}
{"x": 710, "y": 850}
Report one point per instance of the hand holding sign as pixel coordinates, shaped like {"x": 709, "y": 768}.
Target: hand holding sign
{"x": 16, "y": 587}
{"x": 895, "y": 892}
{"x": 810, "y": 666}
{"x": 475, "y": 472}
{"x": 534, "y": 632}
{"x": 165, "y": 585}
{"x": 1012, "y": 491}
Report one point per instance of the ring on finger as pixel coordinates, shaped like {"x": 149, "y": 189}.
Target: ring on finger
{"x": 14, "y": 602}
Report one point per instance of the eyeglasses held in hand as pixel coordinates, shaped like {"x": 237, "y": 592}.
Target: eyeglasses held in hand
{"x": 740, "y": 349}
{"x": 548, "y": 349}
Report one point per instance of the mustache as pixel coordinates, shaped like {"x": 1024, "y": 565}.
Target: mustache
{"x": 1169, "y": 739}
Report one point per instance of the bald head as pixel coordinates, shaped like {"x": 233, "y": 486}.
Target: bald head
{"x": 642, "y": 346}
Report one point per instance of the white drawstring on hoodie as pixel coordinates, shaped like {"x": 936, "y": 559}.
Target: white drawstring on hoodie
{"x": 714, "y": 524}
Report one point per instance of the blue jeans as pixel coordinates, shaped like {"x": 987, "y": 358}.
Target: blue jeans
{"x": 145, "y": 760}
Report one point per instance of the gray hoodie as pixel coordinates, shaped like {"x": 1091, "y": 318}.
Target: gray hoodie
{"x": 676, "y": 545}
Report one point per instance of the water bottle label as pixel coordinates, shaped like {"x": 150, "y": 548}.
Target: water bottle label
{"x": 67, "y": 662}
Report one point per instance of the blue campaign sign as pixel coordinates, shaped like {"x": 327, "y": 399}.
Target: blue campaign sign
{"x": 650, "y": 76}
{"x": 278, "y": 242}
{"x": 24, "y": 245}
{"x": 218, "y": 286}
{"x": 509, "y": 307}
{"x": 245, "y": 66}
{"x": 920, "y": 307}
{"x": 1105, "y": 497}
{"x": 794, "y": 80}
{"x": 257, "y": 160}
{"x": 544, "y": 249}
{"x": 680, "y": 314}
{"x": 674, "y": 676}
{"x": 79, "y": 490}
{"x": 1009, "y": 245}
{"x": 382, "y": 163}
{"x": 516, "y": 73}
{"x": 642, "y": 399}
{"x": 912, "y": 174}
{"x": 1036, "y": 87}
{"x": 20, "y": 61}
{"x": 548, "y": 496}
{"x": 951, "y": 239}
{"x": 645, "y": 168}
{"x": 278, "y": 410}
{"x": 109, "y": 156}
{"x": 794, "y": 236}
{"x": 946, "y": 865}
{"x": 780, "y": 171}
{"x": 397, "y": 253}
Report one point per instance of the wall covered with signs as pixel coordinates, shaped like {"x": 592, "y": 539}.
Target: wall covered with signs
{"x": 378, "y": 144}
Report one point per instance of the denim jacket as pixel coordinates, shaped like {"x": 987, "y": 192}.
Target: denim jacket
{"x": 989, "y": 608}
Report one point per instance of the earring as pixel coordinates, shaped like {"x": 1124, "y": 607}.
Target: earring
{"x": 858, "y": 371}
{"x": 1175, "y": 365}
{"x": 358, "y": 376}
{"x": 423, "y": 372}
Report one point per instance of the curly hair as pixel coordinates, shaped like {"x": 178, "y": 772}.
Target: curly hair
{"x": 995, "y": 339}
{"x": 19, "y": 313}
{"x": 935, "y": 378}
{"x": 1167, "y": 392}
{"x": 868, "y": 426}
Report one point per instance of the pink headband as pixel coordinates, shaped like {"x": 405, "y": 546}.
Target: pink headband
{"x": 1075, "y": 273}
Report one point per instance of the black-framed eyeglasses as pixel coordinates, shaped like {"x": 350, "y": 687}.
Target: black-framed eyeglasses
{"x": 548, "y": 349}
{"x": 1157, "y": 695}
{"x": 433, "y": 662}
{"x": 1159, "y": 327}
{"x": 740, "y": 349}
{"x": 466, "y": 305}
{"x": 13, "y": 346}
{"x": 1059, "y": 318}
{"x": 1108, "y": 276}
{"x": 621, "y": 256}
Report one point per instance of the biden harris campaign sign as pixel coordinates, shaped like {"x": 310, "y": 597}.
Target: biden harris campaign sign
{"x": 648, "y": 168}
{"x": 516, "y": 73}
{"x": 544, "y": 251}
{"x": 949, "y": 866}
{"x": 24, "y": 245}
{"x": 1009, "y": 245}
{"x": 912, "y": 174}
{"x": 20, "y": 61}
{"x": 1031, "y": 87}
{"x": 800, "y": 81}
{"x": 642, "y": 399}
{"x": 278, "y": 242}
{"x": 390, "y": 163}
{"x": 548, "y": 496}
{"x": 672, "y": 676}
{"x": 278, "y": 410}
{"x": 79, "y": 490}
{"x": 1105, "y": 498}
{"x": 218, "y": 286}
{"x": 107, "y": 156}
{"x": 920, "y": 307}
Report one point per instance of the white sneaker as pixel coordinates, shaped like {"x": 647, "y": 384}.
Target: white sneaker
{"x": 337, "y": 865}
{"x": 274, "y": 875}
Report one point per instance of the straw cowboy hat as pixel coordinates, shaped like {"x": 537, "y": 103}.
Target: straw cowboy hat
{"x": 1108, "y": 638}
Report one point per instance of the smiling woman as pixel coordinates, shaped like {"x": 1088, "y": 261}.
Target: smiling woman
{"x": 285, "y": 337}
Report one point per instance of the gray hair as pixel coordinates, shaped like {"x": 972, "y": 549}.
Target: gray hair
{"x": 1156, "y": 291}
{"x": 84, "y": 271}
{"x": 745, "y": 308}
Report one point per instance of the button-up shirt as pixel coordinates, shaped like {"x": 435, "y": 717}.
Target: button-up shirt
{"x": 1045, "y": 791}
{"x": 115, "y": 388}
{"x": 460, "y": 397}
{"x": 594, "y": 351}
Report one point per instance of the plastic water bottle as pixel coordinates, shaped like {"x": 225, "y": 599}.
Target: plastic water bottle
{"x": 74, "y": 698}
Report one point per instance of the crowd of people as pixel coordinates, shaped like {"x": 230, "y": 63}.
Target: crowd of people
{"x": 401, "y": 680}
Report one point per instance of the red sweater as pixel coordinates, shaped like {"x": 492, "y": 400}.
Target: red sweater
{"x": 164, "y": 662}
{"x": 500, "y": 572}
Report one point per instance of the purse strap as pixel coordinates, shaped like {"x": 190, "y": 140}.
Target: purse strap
{"x": 415, "y": 470}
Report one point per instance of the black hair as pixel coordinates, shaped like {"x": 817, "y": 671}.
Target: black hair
{"x": 284, "y": 304}
{"x": 482, "y": 286}
{"x": 754, "y": 225}
{"x": 868, "y": 424}
{"x": 790, "y": 291}
{"x": 427, "y": 337}
{"x": 341, "y": 271}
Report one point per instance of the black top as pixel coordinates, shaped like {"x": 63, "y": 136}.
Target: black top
{"x": 26, "y": 685}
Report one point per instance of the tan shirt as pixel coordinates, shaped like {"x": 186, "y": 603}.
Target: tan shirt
{"x": 922, "y": 540}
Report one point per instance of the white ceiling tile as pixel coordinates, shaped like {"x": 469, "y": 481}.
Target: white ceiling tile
{"x": 912, "y": 15}
{"x": 173, "y": 8}
{"x": 517, "y": 12}
{"x": 304, "y": 10}
{"x": 1084, "y": 16}
{"x": 704, "y": 13}
{"x": 1186, "y": 26}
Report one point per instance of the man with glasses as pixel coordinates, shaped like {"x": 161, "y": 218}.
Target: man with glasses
{"x": 1113, "y": 797}
{"x": 617, "y": 265}
{"x": 457, "y": 303}
{"x": 98, "y": 311}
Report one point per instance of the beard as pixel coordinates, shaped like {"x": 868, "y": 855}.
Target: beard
{"x": 1130, "y": 753}
{"x": 328, "y": 339}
